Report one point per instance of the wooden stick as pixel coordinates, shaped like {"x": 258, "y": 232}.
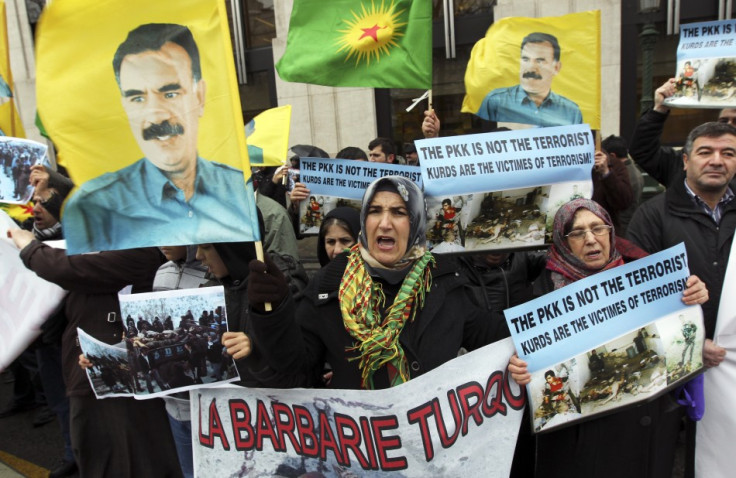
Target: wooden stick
{"x": 431, "y": 107}
{"x": 259, "y": 256}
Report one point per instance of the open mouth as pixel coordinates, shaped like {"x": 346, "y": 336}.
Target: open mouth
{"x": 385, "y": 243}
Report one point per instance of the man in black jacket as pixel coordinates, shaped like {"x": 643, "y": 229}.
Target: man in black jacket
{"x": 697, "y": 209}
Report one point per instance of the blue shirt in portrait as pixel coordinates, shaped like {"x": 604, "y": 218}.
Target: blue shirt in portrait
{"x": 138, "y": 206}
{"x": 512, "y": 105}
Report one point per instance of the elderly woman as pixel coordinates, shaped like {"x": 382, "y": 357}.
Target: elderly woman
{"x": 637, "y": 442}
{"x": 381, "y": 314}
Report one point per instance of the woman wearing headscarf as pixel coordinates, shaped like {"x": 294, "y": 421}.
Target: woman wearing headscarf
{"x": 339, "y": 231}
{"x": 380, "y": 314}
{"x": 636, "y": 442}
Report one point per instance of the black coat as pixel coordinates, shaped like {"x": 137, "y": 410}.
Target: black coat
{"x": 301, "y": 341}
{"x": 671, "y": 218}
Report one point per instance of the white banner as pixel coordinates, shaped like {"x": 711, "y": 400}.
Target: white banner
{"x": 26, "y": 300}
{"x": 717, "y": 430}
{"x": 458, "y": 420}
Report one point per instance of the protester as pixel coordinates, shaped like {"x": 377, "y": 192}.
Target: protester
{"x": 339, "y": 231}
{"x": 664, "y": 164}
{"x": 344, "y": 317}
{"x": 183, "y": 271}
{"x": 116, "y": 436}
{"x": 638, "y": 441}
{"x": 611, "y": 185}
{"x": 227, "y": 263}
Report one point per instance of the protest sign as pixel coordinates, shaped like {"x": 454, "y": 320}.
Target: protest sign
{"x": 21, "y": 311}
{"x": 618, "y": 337}
{"x": 706, "y": 66}
{"x": 152, "y": 130}
{"x": 501, "y": 190}
{"x": 453, "y": 421}
{"x": 16, "y": 158}
{"x": 529, "y": 71}
{"x": 717, "y": 430}
{"x": 166, "y": 347}
{"x": 340, "y": 182}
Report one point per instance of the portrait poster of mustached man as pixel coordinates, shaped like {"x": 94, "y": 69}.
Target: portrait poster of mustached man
{"x": 532, "y": 70}
{"x": 163, "y": 162}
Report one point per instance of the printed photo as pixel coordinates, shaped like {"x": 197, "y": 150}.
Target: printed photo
{"x": 172, "y": 343}
{"x": 16, "y": 158}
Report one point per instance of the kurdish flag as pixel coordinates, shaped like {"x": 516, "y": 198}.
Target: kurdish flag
{"x": 373, "y": 43}
{"x": 10, "y": 122}
{"x": 268, "y": 137}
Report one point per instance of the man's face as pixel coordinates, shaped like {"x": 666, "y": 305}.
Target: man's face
{"x": 163, "y": 104}
{"x": 377, "y": 155}
{"x": 41, "y": 217}
{"x": 728, "y": 115}
{"x": 711, "y": 164}
{"x": 538, "y": 68}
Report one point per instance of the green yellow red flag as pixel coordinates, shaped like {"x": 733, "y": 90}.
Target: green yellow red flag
{"x": 268, "y": 137}
{"x": 370, "y": 43}
{"x": 495, "y": 61}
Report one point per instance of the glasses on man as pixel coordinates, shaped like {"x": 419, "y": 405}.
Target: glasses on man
{"x": 579, "y": 234}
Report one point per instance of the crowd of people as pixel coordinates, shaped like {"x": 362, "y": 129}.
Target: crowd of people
{"x": 382, "y": 309}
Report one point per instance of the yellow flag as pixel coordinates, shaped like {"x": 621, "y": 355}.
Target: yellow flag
{"x": 10, "y": 122}
{"x": 268, "y": 137}
{"x": 562, "y": 82}
{"x": 141, "y": 99}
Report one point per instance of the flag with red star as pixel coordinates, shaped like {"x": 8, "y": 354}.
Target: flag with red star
{"x": 370, "y": 43}
{"x": 19, "y": 212}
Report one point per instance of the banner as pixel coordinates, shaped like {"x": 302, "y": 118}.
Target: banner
{"x": 706, "y": 66}
{"x": 530, "y": 71}
{"x": 149, "y": 123}
{"x": 16, "y": 158}
{"x": 386, "y": 44}
{"x": 10, "y": 121}
{"x": 616, "y": 338}
{"x": 495, "y": 191}
{"x": 335, "y": 183}
{"x": 21, "y": 311}
{"x": 268, "y": 137}
{"x": 717, "y": 429}
{"x": 166, "y": 346}
{"x": 453, "y": 421}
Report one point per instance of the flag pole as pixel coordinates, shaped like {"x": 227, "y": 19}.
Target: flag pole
{"x": 259, "y": 256}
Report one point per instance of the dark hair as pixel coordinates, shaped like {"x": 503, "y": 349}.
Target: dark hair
{"x": 713, "y": 129}
{"x": 152, "y": 37}
{"x": 446, "y": 201}
{"x": 387, "y": 146}
{"x": 548, "y": 373}
{"x": 538, "y": 37}
{"x": 351, "y": 152}
{"x": 616, "y": 145}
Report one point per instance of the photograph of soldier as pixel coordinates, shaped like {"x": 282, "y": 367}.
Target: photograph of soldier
{"x": 683, "y": 335}
{"x": 16, "y": 158}
{"x": 160, "y": 355}
{"x": 621, "y": 370}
